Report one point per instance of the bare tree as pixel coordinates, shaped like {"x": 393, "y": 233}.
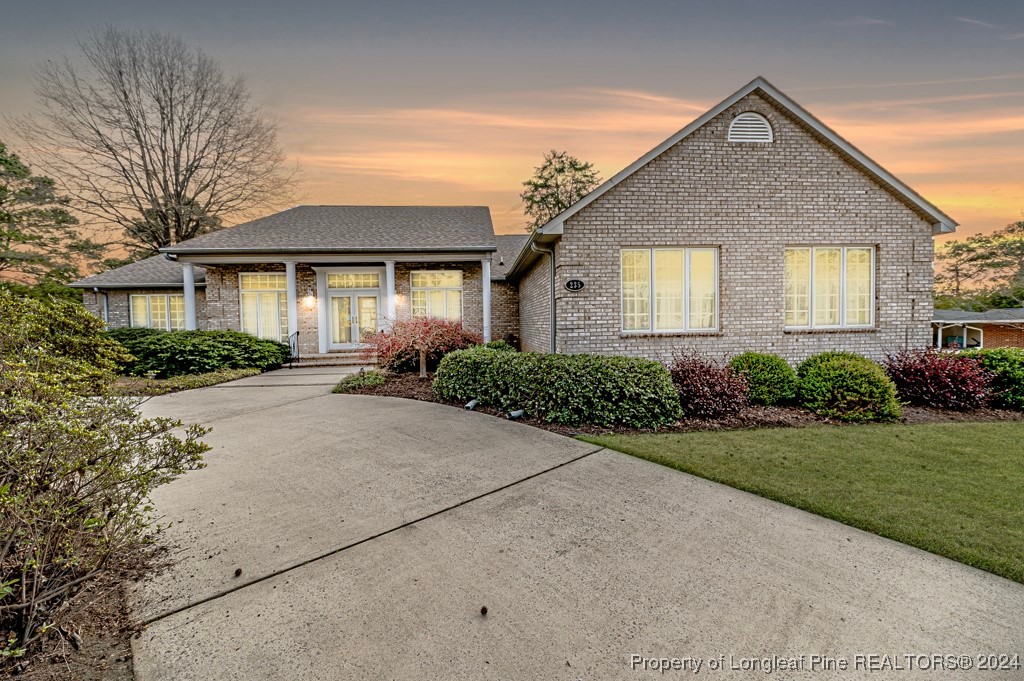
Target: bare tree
{"x": 145, "y": 133}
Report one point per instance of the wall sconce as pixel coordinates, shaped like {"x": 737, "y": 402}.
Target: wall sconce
{"x": 309, "y": 301}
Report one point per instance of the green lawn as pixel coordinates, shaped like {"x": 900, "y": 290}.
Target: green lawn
{"x": 952, "y": 489}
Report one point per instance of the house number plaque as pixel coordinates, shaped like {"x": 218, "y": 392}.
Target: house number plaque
{"x": 574, "y": 285}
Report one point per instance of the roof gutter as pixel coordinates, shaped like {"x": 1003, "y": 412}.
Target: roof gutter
{"x": 550, "y": 252}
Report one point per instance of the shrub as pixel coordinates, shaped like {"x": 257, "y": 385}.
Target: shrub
{"x": 567, "y": 389}
{"x": 1007, "y": 368}
{"x": 770, "y": 379}
{"x": 706, "y": 388}
{"x": 847, "y": 387}
{"x": 132, "y": 336}
{"x": 398, "y": 349}
{"x": 77, "y": 471}
{"x": 500, "y": 344}
{"x": 946, "y": 380}
{"x": 198, "y": 352}
{"x": 361, "y": 379}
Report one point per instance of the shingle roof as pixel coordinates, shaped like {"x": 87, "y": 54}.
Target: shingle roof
{"x": 155, "y": 272}
{"x": 509, "y": 246}
{"x": 306, "y": 229}
{"x": 1007, "y": 316}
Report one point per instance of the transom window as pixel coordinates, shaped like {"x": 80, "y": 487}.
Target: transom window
{"x": 437, "y": 294}
{"x": 830, "y": 287}
{"x": 353, "y": 280}
{"x": 158, "y": 311}
{"x": 669, "y": 289}
{"x": 264, "y": 304}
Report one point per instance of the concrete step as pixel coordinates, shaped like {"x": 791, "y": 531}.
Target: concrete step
{"x": 335, "y": 359}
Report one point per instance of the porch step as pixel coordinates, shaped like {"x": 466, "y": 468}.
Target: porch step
{"x": 343, "y": 358}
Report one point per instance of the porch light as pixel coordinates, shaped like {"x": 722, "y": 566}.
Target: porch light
{"x": 309, "y": 301}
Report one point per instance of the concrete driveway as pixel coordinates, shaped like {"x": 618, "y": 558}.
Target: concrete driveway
{"x": 370, "y": 532}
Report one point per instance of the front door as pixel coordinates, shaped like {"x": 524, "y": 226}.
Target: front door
{"x": 353, "y": 315}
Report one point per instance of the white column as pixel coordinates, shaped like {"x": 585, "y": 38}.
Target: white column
{"x": 189, "y": 276}
{"x": 486, "y": 276}
{"x": 392, "y": 306}
{"x": 293, "y": 297}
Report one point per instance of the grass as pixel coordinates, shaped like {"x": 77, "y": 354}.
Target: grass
{"x": 141, "y": 387}
{"x": 952, "y": 489}
{"x": 363, "y": 379}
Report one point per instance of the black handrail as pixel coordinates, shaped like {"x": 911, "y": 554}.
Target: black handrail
{"x": 293, "y": 349}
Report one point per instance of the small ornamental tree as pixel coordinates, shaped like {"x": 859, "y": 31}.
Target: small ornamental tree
{"x": 421, "y": 341}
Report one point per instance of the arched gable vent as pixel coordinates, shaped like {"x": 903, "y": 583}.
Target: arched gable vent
{"x": 751, "y": 127}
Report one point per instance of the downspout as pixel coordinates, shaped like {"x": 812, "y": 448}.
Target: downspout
{"x": 106, "y": 304}
{"x": 551, "y": 261}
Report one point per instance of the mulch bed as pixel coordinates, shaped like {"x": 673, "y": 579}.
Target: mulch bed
{"x": 93, "y": 642}
{"x": 411, "y": 386}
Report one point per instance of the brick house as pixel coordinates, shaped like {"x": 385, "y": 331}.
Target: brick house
{"x": 990, "y": 329}
{"x": 755, "y": 227}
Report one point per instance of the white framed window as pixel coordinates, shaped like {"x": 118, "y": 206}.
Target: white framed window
{"x": 668, "y": 290}
{"x": 353, "y": 280}
{"x": 437, "y": 293}
{"x": 158, "y": 311}
{"x": 263, "y": 300}
{"x": 829, "y": 287}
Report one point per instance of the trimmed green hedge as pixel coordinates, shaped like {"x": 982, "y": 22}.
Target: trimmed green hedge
{"x": 847, "y": 387}
{"x": 770, "y": 379}
{"x": 177, "y": 353}
{"x": 567, "y": 389}
{"x": 1008, "y": 366}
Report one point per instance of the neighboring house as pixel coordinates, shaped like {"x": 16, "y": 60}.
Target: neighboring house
{"x": 755, "y": 227}
{"x": 990, "y": 329}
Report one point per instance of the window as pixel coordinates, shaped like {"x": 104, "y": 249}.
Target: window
{"x": 751, "y": 127}
{"x": 669, "y": 289}
{"x": 829, "y": 287}
{"x": 437, "y": 294}
{"x": 157, "y": 311}
{"x": 353, "y": 280}
{"x": 264, "y": 303}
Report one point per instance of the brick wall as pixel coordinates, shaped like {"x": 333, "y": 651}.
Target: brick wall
{"x": 472, "y": 290}
{"x": 750, "y": 201}
{"x": 118, "y": 304}
{"x": 535, "y": 307}
{"x": 1003, "y": 335}
{"x": 504, "y": 309}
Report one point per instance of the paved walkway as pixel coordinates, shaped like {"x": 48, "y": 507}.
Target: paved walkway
{"x": 371, "y": 531}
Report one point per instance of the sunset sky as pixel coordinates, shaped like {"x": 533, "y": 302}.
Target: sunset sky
{"x": 454, "y": 102}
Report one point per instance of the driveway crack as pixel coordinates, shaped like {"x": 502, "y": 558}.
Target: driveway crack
{"x": 340, "y": 549}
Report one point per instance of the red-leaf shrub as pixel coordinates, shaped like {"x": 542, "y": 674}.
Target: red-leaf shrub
{"x": 398, "y": 349}
{"x": 707, "y": 389}
{"x": 946, "y": 380}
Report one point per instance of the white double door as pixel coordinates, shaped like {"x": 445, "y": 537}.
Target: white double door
{"x": 353, "y": 314}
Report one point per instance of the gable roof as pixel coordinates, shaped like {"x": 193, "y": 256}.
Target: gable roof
{"x": 1013, "y": 315}
{"x": 942, "y": 223}
{"x": 353, "y": 229}
{"x": 509, "y": 246}
{"x": 155, "y": 272}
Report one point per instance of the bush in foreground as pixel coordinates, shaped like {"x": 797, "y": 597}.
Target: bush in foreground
{"x": 847, "y": 387}
{"x": 770, "y": 379}
{"x": 77, "y": 465}
{"x": 566, "y": 389}
{"x": 401, "y": 348}
{"x": 944, "y": 380}
{"x": 177, "y": 353}
{"x": 707, "y": 389}
{"x": 1007, "y": 367}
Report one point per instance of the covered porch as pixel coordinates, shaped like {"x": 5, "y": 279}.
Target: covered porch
{"x": 323, "y": 303}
